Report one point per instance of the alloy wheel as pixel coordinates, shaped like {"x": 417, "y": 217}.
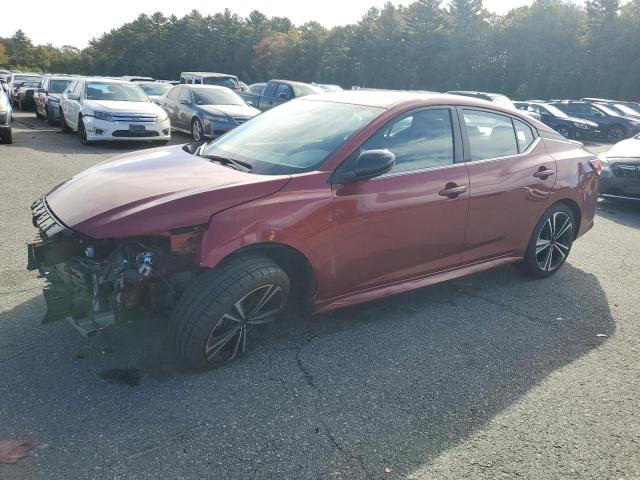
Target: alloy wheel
{"x": 616, "y": 134}
{"x": 554, "y": 241}
{"x": 229, "y": 335}
{"x": 196, "y": 130}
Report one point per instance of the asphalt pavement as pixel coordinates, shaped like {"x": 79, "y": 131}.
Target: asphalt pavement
{"x": 490, "y": 376}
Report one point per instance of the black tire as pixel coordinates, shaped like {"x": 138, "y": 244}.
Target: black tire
{"x": 205, "y": 307}
{"x": 616, "y": 133}
{"x": 565, "y": 131}
{"x": 64, "y": 128}
{"x": 51, "y": 118}
{"x": 6, "y": 136}
{"x": 538, "y": 256}
{"x": 196, "y": 126}
{"x": 82, "y": 133}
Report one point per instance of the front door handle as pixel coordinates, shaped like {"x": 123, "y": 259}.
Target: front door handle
{"x": 543, "y": 173}
{"x": 451, "y": 190}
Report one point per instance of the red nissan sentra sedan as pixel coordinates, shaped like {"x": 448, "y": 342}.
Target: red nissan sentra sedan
{"x": 332, "y": 199}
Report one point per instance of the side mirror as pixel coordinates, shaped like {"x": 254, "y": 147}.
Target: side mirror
{"x": 73, "y": 96}
{"x": 42, "y": 90}
{"x": 373, "y": 163}
{"x": 184, "y": 101}
{"x": 285, "y": 96}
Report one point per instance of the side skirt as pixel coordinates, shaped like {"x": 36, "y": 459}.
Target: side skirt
{"x": 363, "y": 296}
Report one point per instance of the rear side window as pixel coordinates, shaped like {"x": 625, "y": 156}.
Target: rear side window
{"x": 420, "y": 140}
{"x": 524, "y": 135}
{"x": 173, "y": 94}
{"x": 490, "y": 135}
{"x": 270, "y": 89}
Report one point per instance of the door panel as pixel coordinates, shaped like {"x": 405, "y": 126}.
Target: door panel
{"x": 403, "y": 224}
{"x": 507, "y": 196}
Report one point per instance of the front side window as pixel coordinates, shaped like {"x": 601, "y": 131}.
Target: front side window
{"x": 296, "y": 137}
{"x": 174, "y": 93}
{"x": 284, "y": 91}
{"x": 185, "y": 94}
{"x": 490, "y": 135}
{"x": 118, "y": 92}
{"x": 420, "y": 140}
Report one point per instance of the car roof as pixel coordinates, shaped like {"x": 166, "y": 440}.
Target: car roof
{"x": 391, "y": 98}
{"x": 205, "y": 87}
{"x": 208, "y": 74}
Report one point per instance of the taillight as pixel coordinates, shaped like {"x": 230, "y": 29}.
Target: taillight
{"x": 596, "y": 164}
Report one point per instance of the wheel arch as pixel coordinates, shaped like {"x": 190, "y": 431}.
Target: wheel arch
{"x": 293, "y": 262}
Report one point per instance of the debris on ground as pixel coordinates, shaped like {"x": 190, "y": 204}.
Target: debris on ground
{"x": 13, "y": 450}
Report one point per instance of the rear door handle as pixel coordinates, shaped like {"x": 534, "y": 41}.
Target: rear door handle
{"x": 452, "y": 190}
{"x": 543, "y": 174}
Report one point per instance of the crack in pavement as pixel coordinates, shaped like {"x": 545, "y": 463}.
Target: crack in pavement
{"x": 328, "y": 433}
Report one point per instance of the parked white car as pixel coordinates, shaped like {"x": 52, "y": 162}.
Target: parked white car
{"x": 105, "y": 109}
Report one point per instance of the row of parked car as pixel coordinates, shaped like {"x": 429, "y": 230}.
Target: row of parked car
{"x": 584, "y": 119}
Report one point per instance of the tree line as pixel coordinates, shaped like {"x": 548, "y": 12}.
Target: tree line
{"x": 550, "y": 49}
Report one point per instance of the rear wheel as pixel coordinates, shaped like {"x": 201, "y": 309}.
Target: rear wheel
{"x": 196, "y": 129}
{"x": 212, "y": 319}
{"x": 550, "y": 243}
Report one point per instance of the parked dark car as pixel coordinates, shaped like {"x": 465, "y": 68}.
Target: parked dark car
{"x": 498, "y": 98}
{"x": 569, "y": 127}
{"x": 634, "y": 105}
{"x": 611, "y": 125}
{"x": 622, "y": 109}
{"x": 277, "y": 92}
{"x": 23, "y": 86}
{"x": 47, "y": 97}
{"x": 205, "y": 111}
{"x": 620, "y": 178}
{"x": 329, "y": 200}
{"x": 6, "y": 113}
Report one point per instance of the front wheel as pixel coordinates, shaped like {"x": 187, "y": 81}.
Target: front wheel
{"x": 82, "y": 133}
{"x": 564, "y": 131}
{"x": 550, "y": 243}
{"x": 213, "y": 317}
{"x": 64, "y": 128}
{"x": 196, "y": 130}
{"x": 615, "y": 134}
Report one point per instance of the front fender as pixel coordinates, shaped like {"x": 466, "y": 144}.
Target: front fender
{"x": 299, "y": 216}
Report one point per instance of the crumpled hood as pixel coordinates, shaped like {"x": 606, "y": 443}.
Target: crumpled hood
{"x": 152, "y": 191}
{"x": 231, "y": 110}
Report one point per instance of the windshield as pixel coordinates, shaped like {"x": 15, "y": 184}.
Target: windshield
{"x": 555, "y": 111}
{"x": 213, "y": 96}
{"x": 608, "y": 111}
{"x": 295, "y": 137}
{"x": 626, "y": 110}
{"x": 155, "y": 89}
{"x": 58, "y": 86}
{"x": 228, "y": 82}
{"x": 302, "y": 89}
{"x": 119, "y": 92}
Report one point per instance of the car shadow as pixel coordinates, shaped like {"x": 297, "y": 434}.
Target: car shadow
{"x": 394, "y": 382}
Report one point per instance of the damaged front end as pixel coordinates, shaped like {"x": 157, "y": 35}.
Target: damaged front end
{"x": 93, "y": 283}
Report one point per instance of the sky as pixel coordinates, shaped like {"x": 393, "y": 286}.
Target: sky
{"x": 74, "y": 24}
